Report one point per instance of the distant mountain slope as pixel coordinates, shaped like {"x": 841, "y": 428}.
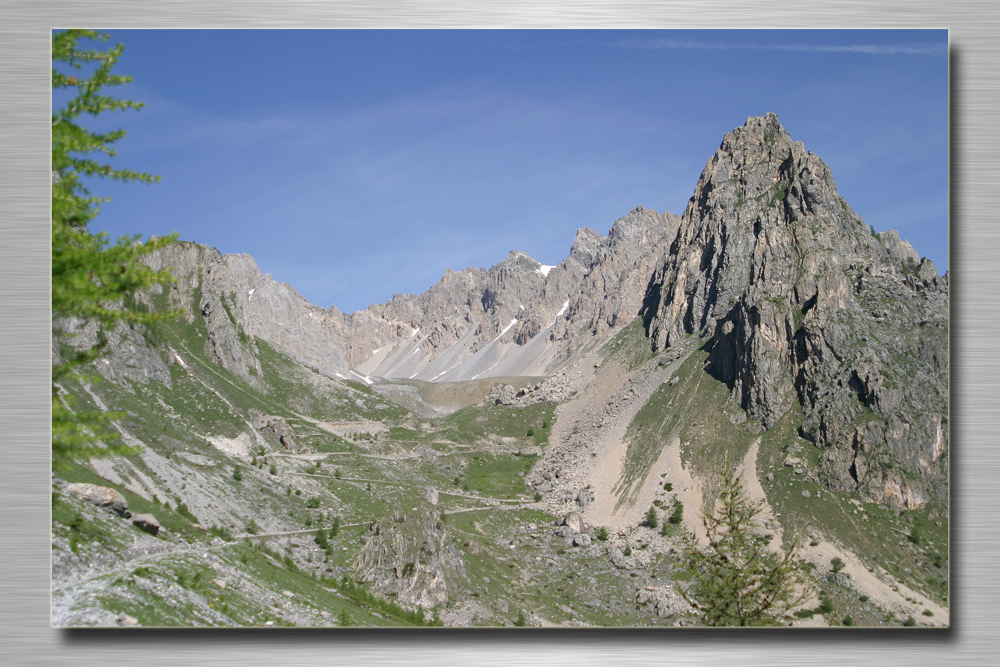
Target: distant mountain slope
{"x": 518, "y": 318}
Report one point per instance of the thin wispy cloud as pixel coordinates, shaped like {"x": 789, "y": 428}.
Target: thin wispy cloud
{"x": 913, "y": 49}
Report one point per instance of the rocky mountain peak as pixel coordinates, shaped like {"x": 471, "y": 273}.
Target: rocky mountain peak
{"x": 757, "y": 130}
{"x": 585, "y": 246}
{"x": 519, "y": 317}
{"x": 765, "y": 219}
{"x": 520, "y": 259}
{"x": 800, "y": 299}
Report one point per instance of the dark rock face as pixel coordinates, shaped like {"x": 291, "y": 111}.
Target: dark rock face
{"x": 803, "y": 302}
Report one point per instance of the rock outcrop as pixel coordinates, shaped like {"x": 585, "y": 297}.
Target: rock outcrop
{"x": 276, "y": 427}
{"x": 130, "y": 356}
{"x": 804, "y": 303}
{"x": 412, "y": 558}
{"x": 238, "y": 304}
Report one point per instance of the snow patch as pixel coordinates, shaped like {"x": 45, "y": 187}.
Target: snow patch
{"x": 363, "y": 377}
{"x": 512, "y": 323}
{"x": 179, "y": 360}
{"x": 561, "y": 311}
{"x": 544, "y": 270}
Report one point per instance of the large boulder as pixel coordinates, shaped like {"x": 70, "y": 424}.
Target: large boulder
{"x": 103, "y": 497}
{"x": 574, "y": 521}
{"x": 146, "y": 522}
{"x": 277, "y": 427}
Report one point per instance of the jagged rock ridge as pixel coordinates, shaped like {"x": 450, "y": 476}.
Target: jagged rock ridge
{"x": 517, "y": 318}
{"x": 804, "y": 303}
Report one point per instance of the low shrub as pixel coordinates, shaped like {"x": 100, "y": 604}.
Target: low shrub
{"x": 221, "y": 532}
{"x": 678, "y": 514}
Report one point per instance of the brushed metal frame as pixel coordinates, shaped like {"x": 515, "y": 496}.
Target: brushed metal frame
{"x": 25, "y": 635}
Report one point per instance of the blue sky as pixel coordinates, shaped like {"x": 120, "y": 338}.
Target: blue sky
{"x": 358, "y": 164}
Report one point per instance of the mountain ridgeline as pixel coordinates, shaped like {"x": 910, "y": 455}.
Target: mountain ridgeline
{"x": 518, "y": 318}
{"x": 802, "y": 304}
{"x": 804, "y": 307}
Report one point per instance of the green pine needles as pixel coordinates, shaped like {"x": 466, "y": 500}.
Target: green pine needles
{"x": 737, "y": 580}
{"x": 90, "y": 277}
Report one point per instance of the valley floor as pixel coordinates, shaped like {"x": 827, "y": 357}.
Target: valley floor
{"x": 323, "y": 503}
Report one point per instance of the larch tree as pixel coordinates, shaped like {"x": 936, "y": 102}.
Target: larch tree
{"x": 737, "y": 579}
{"x": 90, "y": 275}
